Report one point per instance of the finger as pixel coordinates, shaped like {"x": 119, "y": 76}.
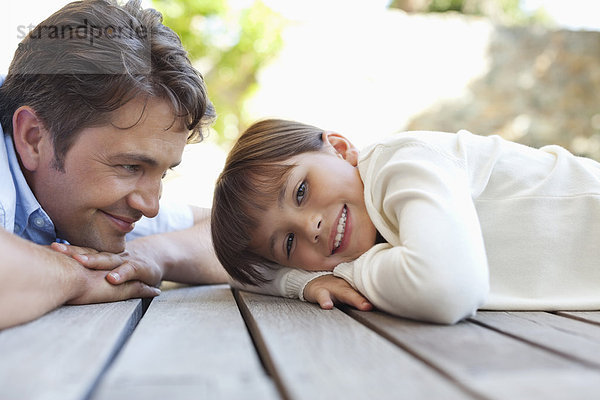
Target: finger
{"x": 324, "y": 299}
{"x": 100, "y": 261}
{"x": 61, "y": 248}
{"x": 354, "y": 299}
{"x": 137, "y": 289}
{"x": 109, "y": 293}
{"x": 66, "y": 249}
{"x": 132, "y": 272}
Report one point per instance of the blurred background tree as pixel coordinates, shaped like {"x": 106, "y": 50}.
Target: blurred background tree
{"x": 371, "y": 68}
{"x": 504, "y": 12}
{"x": 228, "y": 41}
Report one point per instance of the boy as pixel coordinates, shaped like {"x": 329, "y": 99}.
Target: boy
{"x": 428, "y": 225}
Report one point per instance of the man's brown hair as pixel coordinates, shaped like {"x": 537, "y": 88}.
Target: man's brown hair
{"x": 92, "y": 57}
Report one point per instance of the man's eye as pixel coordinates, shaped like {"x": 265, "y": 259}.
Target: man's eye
{"x": 130, "y": 167}
{"x": 301, "y": 193}
{"x": 289, "y": 241}
{"x": 167, "y": 173}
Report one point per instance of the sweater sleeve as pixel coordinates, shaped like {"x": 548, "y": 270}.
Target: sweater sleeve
{"x": 434, "y": 266}
{"x": 283, "y": 282}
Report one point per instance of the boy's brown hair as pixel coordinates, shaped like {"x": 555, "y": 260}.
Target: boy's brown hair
{"x": 254, "y": 172}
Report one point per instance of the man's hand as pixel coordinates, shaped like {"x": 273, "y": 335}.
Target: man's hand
{"x": 96, "y": 289}
{"x": 39, "y": 279}
{"x": 328, "y": 289}
{"x": 184, "y": 256}
{"x": 125, "y": 268}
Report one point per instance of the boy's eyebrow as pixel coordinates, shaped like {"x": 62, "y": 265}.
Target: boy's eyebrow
{"x": 280, "y": 200}
{"x": 282, "y": 195}
{"x": 283, "y": 191}
{"x": 272, "y": 246}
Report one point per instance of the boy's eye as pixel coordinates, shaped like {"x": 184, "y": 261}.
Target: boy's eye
{"x": 301, "y": 193}
{"x": 289, "y": 241}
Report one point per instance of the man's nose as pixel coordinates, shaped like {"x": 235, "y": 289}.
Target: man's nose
{"x": 146, "y": 196}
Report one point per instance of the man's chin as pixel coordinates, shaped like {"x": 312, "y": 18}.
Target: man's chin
{"x": 115, "y": 245}
{"x": 114, "y": 249}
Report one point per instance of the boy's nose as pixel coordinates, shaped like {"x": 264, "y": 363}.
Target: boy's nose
{"x": 313, "y": 228}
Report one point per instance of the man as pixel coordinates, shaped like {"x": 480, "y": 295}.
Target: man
{"x": 98, "y": 104}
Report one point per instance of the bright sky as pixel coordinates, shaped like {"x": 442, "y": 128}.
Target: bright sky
{"x": 20, "y": 16}
{"x": 574, "y": 14}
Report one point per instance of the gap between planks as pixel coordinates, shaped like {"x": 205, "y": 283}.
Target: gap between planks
{"x": 381, "y": 332}
{"x": 260, "y": 346}
{"x": 133, "y": 322}
{"x": 540, "y": 345}
{"x": 333, "y": 330}
{"x": 583, "y": 316}
{"x": 491, "y": 378}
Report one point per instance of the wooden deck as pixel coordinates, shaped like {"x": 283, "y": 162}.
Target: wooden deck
{"x": 210, "y": 343}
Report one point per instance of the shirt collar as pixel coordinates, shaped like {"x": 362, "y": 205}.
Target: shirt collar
{"x": 29, "y": 215}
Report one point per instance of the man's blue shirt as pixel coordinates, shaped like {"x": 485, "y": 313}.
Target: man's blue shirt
{"x": 20, "y": 212}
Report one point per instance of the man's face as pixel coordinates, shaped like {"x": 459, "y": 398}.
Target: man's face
{"x": 112, "y": 175}
{"x": 321, "y": 219}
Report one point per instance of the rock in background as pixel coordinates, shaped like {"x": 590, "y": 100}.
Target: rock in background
{"x": 371, "y": 73}
{"x": 541, "y": 87}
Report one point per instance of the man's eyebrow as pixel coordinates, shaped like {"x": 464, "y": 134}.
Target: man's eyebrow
{"x": 140, "y": 158}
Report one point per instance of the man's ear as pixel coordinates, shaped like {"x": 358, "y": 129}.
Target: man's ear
{"x": 342, "y": 146}
{"x": 28, "y": 132}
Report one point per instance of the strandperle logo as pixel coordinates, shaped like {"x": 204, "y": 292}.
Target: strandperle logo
{"x": 82, "y": 31}
{"x": 67, "y": 46}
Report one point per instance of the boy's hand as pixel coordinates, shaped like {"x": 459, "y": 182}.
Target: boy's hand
{"x": 124, "y": 267}
{"x": 328, "y": 289}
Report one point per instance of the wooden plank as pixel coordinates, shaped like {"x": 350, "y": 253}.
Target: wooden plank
{"x": 566, "y": 336}
{"x": 489, "y": 363}
{"x": 587, "y": 316}
{"x": 62, "y": 354}
{"x": 191, "y": 344}
{"x": 324, "y": 354}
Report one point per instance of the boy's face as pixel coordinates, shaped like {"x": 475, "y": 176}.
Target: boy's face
{"x": 320, "y": 219}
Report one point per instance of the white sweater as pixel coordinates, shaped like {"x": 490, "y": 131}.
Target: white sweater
{"x": 474, "y": 222}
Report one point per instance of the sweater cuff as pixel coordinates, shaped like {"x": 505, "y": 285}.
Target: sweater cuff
{"x": 346, "y": 272}
{"x": 297, "y": 279}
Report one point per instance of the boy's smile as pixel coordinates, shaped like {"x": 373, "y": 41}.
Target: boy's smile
{"x": 340, "y": 230}
{"x": 319, "y": 219}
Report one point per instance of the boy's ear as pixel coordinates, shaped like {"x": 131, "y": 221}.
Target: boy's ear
{"x": 28, "y": 132}
{"x": 342, "y": 146}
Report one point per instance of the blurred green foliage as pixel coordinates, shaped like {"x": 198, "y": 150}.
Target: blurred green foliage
{"x": 505, "y": 12}
{"x": 228, "y": 41}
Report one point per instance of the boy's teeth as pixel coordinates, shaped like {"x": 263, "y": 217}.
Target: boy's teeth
{"x": 340, "y": 229}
